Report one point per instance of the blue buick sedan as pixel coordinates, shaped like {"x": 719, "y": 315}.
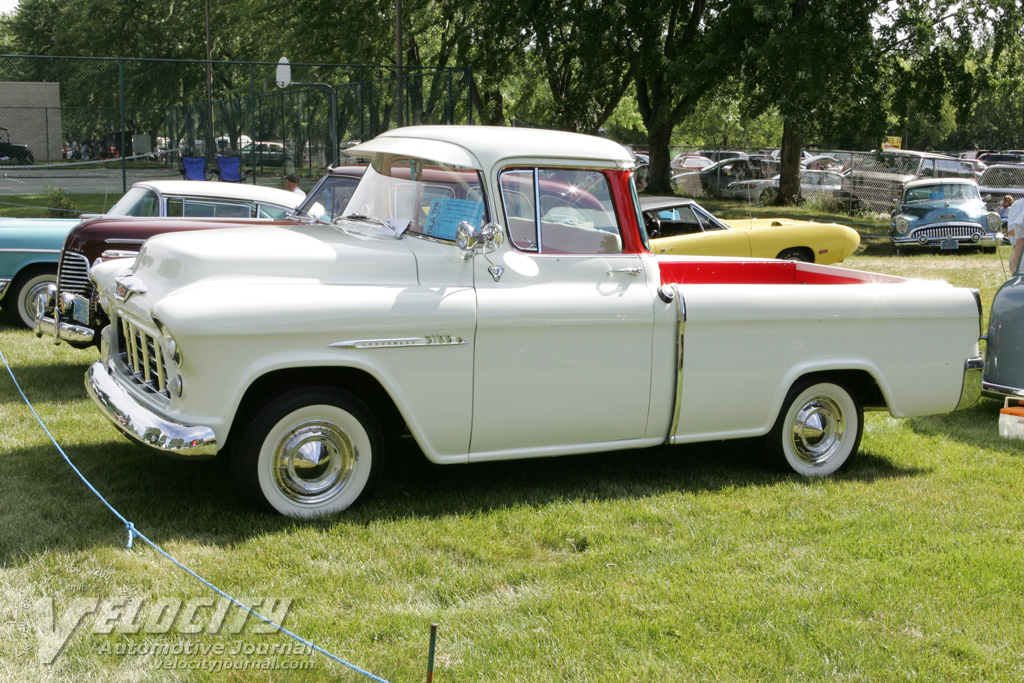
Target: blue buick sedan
{"x": 943, "y": 213}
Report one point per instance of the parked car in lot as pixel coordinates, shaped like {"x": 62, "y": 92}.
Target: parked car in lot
{"x": 811, "y": 183}
{"x": 821, "y": 162}
{"x": 481, "y": 281}
{"x": 68, "y": 311}
{"x": 945, "y": 213}
{"x": 690, "y": 162}
{"x": 30, "y": 249}
{"x": 266, "y": 154}
{"x": 998, "y": 181}
{"x": 681, "y": 226}
{"x": 716, "y": 177}
{"x": 13, "y": 151}
{"x": 877, "y": 179}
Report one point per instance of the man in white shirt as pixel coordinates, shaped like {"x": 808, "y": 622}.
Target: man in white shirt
{"x": 1015, "y": 227}
{"x": 292, "y": 182}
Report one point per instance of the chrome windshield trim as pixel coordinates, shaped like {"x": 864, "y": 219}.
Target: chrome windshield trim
{"x": 400, "y": 342}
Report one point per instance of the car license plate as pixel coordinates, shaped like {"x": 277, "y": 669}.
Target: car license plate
{"x": 949, "y": 244}
{"x": 81, "y": 310}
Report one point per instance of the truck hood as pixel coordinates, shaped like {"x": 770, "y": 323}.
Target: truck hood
{"x": 237, "y": 256}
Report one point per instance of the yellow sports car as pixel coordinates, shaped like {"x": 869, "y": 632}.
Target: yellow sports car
{"x": 681, "y": 226}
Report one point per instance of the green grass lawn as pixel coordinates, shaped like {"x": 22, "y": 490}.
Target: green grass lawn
{"x": 685, "y": 563}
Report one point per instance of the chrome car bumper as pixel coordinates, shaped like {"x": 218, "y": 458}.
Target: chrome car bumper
{"x": 4, "y": 282}
{"x": 144, "y": 425}
{"x": 971, "y": 392}
{"x": 54, "y": 328}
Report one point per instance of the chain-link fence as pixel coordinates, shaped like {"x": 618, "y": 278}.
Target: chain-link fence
{"x": 847, "y": 180}
{"x": 91, "y": 125}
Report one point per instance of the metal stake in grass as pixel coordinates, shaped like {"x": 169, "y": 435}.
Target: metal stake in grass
{"x": 430, "y": 654}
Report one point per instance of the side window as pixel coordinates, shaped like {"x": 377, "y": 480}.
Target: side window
{"x": 927, "y": 168}
{"x": 705, "y": 222}
{"x": 205, "y": 209}
{"x": 175, "y": 207}
{"x": 271, "y": 211}
{"x": 679, "y": 221}
{"x": 560, "y": 211}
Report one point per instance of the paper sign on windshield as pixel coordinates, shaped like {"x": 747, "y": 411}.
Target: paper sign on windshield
{"x": 446, "y": 214}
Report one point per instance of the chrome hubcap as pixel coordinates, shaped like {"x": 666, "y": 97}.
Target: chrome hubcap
{"x": 314, "y": 461}
{"x": 818, "y": 429}
{"x": 33, "y": 296}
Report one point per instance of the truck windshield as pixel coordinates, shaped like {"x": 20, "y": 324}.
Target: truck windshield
{"x": 419, "y": 197}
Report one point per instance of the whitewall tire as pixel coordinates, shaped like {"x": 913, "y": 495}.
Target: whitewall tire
{"x": 311, "y": 451}
{"x": 818, "y": 430}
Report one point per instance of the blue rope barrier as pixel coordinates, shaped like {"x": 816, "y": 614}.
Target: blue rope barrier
{"x": 134, "y": 533}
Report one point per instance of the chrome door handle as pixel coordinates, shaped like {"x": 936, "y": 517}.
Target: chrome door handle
{"x": 630, "y": 271}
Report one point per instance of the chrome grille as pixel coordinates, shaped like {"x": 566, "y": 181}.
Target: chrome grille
{"x": 959, "y": 231}
{"x": 73, "y": 274}
{"x": 140, "y": 352}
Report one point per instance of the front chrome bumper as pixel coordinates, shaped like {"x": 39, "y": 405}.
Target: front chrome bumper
{"x": 142, "y": 424}
{"x": 54, "y": 328}
{"x": 971, "y": 392}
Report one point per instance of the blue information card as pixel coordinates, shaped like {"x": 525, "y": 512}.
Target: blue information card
{"x": 446, "y": 214}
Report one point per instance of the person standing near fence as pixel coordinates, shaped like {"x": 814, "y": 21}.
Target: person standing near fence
{"x": 291, "y": 181}
{"x": 1015, "y": 229}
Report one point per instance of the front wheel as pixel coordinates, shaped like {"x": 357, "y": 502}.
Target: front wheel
{"x": 21, "y": 301}
{"x": 818, "y": 430}
{"x": 311, "y": 451}
{"x": 796, "y": 254}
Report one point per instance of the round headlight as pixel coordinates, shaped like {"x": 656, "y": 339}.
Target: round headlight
{"x": 902, "y": 224}
{"x": 994, "y": 221}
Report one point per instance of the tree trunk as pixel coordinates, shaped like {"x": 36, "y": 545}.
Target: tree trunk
{"x": 658, "y": 139}
{"x": 789, "y": 182}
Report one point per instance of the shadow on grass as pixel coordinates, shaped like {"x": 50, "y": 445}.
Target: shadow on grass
{"x": 45, "y": 507}
{"x": 44, "y": 383}
{"x": 977, "y": 427}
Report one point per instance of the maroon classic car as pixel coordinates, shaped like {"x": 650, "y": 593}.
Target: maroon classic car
{"x": 69, "y": 310}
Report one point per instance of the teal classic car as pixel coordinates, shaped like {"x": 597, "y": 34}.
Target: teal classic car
{"x": 944, "y": 213}
{"x": 30, "y": 248}
{"x": 29, "y": 252}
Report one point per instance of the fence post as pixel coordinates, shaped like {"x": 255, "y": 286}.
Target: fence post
{"x": 252, "y": 117}
{"x": 124, "y": 164}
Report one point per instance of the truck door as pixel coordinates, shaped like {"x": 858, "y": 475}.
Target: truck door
{"x": 565, "y": 321}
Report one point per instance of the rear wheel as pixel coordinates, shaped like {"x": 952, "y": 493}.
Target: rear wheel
{"x": 818, "y": 430}
{"x": 311, "y": 451}
{"x": 21, "y": 300}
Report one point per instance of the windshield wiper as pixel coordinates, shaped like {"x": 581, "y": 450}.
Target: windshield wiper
{"x": 373, "y": 219}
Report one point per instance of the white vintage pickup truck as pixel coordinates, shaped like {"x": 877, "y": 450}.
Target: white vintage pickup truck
{"x": 491, "y": 290}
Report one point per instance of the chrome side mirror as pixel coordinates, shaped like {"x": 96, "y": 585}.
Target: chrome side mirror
{"x": 482, "y": 241}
